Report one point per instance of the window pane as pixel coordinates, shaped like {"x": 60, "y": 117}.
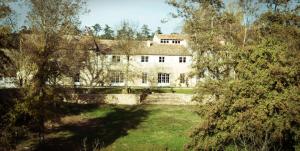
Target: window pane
{"x": 167, "y": 78}
{"x": 159, "y": 78}
{"x": 121, "y": 77}
{"x": 163, "y": 79}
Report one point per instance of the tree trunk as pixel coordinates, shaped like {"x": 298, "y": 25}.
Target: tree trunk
{"x": 126, "y": 74}
{"x": 245, "y": 36}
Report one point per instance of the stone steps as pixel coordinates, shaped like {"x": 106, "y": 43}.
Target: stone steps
{"x": 164, "y": 98}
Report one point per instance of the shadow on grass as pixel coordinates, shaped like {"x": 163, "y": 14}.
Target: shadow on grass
{"x": 104, "y": 129}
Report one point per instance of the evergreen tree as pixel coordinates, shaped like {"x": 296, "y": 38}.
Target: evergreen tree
{"x": 96, "y": 28}
{"x": 145, "y": 33}
{"x": 108, "y": 33}
{"x": 125, "y": 31}
{"x": 158, "y": 30}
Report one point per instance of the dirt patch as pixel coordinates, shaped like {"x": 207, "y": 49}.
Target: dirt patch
{"x": 67, "y": 120}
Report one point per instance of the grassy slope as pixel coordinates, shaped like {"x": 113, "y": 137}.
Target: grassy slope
{"x": 167, "y": 127}
{"x": 146, "y": 127}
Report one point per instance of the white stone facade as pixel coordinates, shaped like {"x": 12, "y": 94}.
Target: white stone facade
{"x": 157, "y": 69}
{"x": 163, "y": 62}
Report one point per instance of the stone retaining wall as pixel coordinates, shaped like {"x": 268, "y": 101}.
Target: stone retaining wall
{"x": 133, "y": 99}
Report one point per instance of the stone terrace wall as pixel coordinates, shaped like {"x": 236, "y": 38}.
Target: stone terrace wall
{"x": 134, "y": 99}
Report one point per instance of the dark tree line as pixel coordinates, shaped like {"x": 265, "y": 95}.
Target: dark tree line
{"x": 144, "y": 33}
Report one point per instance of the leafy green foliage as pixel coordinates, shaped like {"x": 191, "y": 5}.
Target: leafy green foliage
{"x": 253, "y": 76}
{"x": 260, "y": 109}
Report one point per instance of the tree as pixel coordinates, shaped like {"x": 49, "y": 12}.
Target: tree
{"x": 96, "y": 28}
{"x": 127, "y": 44}
{"x": 125, "y": 31}
{"x": 8, "y": 43}
{"x": 158, "y": 30}
{"x": 209, "y": 30}
{"x": 108, "y": 33}
{"x": 8, "y": 39}
{"x": 51, "y": 23}
{"x": 257, "y": 107}
{"x": 144, "y": 34}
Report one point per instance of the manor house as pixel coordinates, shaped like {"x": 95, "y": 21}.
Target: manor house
{"x": 165, "y": 61}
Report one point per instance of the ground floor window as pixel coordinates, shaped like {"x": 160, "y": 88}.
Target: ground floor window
{"x": 144, "y": 78}
{"x": 116, "y": 58}
{"x": 182, "y": 78}
{"x": 116, "y": 77}
{"x": 77, "y": 77}
{"x": 163, "y": 78}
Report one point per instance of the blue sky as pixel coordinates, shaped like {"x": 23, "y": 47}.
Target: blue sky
{"x": 113, "y": 12}
{"x": 137, "y": 12}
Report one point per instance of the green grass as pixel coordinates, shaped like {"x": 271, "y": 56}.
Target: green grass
{"x": 144, "y": 127}
{"x": 166, "y": 127}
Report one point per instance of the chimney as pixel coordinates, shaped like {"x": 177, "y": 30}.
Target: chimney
{"x": 149, "y": 43}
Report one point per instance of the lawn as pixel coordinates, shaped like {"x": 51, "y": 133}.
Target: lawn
{"x": 143, "y": 127}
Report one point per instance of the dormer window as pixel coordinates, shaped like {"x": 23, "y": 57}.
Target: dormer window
{"x": 176, "y": 41}
{"x": 163, "y": 41}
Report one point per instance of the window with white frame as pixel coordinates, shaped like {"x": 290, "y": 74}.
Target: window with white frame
{"x": 116, "y": 58}
{"x": 116, "y": 77}
{"x": 182, "y": 78}
{"x": 163, "y": 78}
{"x": 144, "y": 58}
{"x": 144, "y": 78}
{"x": 161, "y": 59}
{"x": 182, "y": 59}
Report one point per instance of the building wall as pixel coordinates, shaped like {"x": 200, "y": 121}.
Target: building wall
{"x": 157, "y": 40}
{"x": 171, "y": 65}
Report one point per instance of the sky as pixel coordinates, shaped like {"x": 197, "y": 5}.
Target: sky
{"x": 113, "y": 12}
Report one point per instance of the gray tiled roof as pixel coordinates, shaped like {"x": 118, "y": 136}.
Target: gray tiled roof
{"x": 110, "y": 46}
{"x": 172, "y": 36}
